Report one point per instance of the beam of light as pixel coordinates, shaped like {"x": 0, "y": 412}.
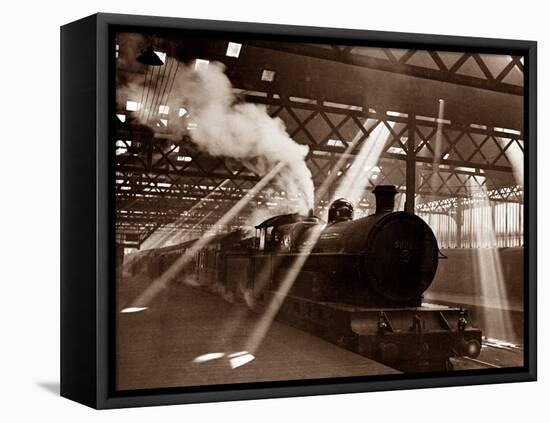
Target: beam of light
{"x": 368, "y": 155}
{"x": 177, "y": 236}
{"x": 240, "y": 359}
{"x": 208, "y": 357}
{"x": 494, "y": 298}
{"x": 236, "y": 359}
{"x": 514, "y": 154}
{"x": 262, "y": 279}
{"x": 266, "y": 318}
{"x": 182, "y": 261}
{"x": 168, "y": 239}
{"x": 328, "y": 182}
{"x": 158, "y": 239}
{"x": 239, "y": 316}
{"x": 264, "y": 323}
{"x": 357, "y": 177}
{"x": 498, "y": 343}
{"x": 400, "y": 201}
{"x": 133, "y": 309}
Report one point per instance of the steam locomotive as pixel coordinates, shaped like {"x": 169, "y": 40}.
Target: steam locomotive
{"x": 355, "y": 282}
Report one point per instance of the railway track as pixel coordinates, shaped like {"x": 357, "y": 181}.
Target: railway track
{"x": 494, "y": 354}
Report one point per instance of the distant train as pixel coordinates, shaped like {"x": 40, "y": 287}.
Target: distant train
{"x": 357, "y": 283}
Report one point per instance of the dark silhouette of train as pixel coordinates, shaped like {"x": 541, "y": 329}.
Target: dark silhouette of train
{"x": 354, "y": 282}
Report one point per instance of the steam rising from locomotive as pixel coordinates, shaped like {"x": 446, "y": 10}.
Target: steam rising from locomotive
{"x": 223, "y": 126}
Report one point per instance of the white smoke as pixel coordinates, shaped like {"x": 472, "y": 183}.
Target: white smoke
{"x": 257, "y": 216}
{"x": 224, "y": 126}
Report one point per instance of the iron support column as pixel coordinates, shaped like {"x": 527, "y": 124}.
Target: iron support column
{"x": 410, "y": 184}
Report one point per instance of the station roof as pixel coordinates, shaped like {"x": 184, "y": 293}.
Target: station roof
{"x": 323, "y": 94}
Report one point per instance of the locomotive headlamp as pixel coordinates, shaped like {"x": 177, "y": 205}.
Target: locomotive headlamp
{"x": 473, "y": 348}
{"x": 470, "y": 348}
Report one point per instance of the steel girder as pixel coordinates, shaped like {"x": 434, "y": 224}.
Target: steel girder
{"x": 151, "y": 175}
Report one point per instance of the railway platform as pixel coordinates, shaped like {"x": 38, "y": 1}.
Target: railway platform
{"x": 190, "y": 337}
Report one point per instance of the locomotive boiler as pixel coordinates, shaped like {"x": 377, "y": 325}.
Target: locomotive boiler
{"x": 357, "y": 283}
{"x": 384, "y": 259}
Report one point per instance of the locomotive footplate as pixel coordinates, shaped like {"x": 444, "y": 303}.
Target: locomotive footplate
{"x": 408, "y": 339}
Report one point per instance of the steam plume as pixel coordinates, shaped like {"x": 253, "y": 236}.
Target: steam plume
{"x": 224, "y": 126}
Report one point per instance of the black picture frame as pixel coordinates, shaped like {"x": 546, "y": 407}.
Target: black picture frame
{"x": 87, "y": 232}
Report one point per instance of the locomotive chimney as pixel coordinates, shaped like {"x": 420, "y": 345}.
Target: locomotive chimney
{"x": 385, "y": 198}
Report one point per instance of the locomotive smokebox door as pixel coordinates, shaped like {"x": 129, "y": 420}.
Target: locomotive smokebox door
{"x": 401, "y": 258}
{"x": 401, "y": 251}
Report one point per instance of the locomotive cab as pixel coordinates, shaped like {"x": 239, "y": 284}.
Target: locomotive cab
{"x": 283, "y": 233}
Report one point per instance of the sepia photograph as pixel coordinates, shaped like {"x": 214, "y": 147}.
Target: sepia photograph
{"x": 290, "y": 210}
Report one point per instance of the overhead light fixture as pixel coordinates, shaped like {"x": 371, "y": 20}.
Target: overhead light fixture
{"x": 233, "y": 49}
{"x": 121, "y": 117}
{"x": 164, "y": 109}
{"x": 268, "y": 75}
{"x": 150, "y": 57}
{"x": 132, "y": 106}
{"x": 396, "y": 150}
{"x": 396, "y": 114}
{"x": 182, "y": 112}
{"x": 201, "y": 64}
{"x": 335, "y": 143}
{"x": 446, "y": 156}
{"x": 161, "y": 55}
